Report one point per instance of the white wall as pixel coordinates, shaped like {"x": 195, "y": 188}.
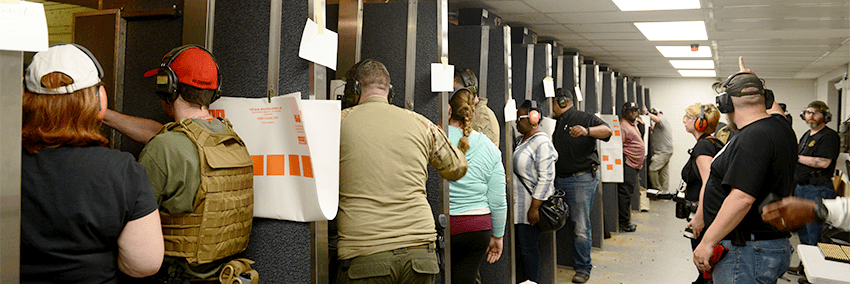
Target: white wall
{"x": 673, "y": 95}
{"x": 825, "y": 89}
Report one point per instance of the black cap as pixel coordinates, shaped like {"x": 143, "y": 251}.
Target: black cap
{"x": 630, "y": 106}
{"x": 743, "y": 81}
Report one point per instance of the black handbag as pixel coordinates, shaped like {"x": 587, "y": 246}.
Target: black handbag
{"x": 554, "y": 211}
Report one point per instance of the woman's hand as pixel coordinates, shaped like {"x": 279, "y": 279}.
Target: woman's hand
{"x": 533, "y": 215}
{"x": 494, "y": 251}
{"x": 697, "y": 225}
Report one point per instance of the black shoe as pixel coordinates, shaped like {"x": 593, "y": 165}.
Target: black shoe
{"x": 606, "y": 235}
{"x": 628, "y": 228}
{"x": 580, "y": 277}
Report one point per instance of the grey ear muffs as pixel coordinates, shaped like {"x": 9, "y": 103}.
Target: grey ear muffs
{"x": 827, "y": 116}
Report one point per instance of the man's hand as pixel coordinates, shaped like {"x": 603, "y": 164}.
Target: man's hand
{"x": 533, "y": 215}
{"x": 702, "y": 254}
{"x": 578, "y": 130}
{"x": 494, "y": 251}
{"x": 743, "y": 68}
{"x": 789, "y": 213}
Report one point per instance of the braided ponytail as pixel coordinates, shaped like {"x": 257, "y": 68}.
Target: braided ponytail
{"x": 462, "y": 103}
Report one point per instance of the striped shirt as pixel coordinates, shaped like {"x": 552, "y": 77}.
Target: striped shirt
{"x": 534, "y": 165}
{"x": 633, "y": 148}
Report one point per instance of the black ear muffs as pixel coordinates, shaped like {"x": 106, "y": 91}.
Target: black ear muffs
{"x": 468, "y": 82}
{"x": 724, "y": 100}
{"x": 352, "y": 91}
{"x": 167, "y": 81}
{"x": 700, "y": 124}
{"x": 562, "y": 102}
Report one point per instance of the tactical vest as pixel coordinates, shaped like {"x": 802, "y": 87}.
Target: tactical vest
{"x": 224, "y": 205}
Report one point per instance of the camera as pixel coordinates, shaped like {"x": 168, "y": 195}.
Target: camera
{"x": 685, "y": 207}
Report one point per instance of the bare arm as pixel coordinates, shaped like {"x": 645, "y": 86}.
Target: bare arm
{"x": 814, "y": 162}
{"x": 599, "y": 132}
{"x": 140, "y": 246}
{"x": 138, "y": 129}
{"x": 704, "y": 166}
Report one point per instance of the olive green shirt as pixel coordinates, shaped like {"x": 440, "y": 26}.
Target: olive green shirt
{"x": 384, "y": 156}
{"x": 485, "y": 121}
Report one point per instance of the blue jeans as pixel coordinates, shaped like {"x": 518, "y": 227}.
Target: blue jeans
{"x": 757, "y": 262}
{"x": 810, "y": 233}
{"x": 580, "y": 193}
{"x": 527, "y": 239}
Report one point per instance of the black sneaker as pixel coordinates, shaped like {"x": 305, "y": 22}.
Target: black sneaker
{"x": 631, "y": 227}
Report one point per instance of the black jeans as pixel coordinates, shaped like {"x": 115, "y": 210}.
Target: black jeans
{"x": 468, "y": 250}
{"x": 625, "y": 191}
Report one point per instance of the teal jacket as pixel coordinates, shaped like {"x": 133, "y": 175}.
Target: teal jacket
{"x": 484, "y": 182}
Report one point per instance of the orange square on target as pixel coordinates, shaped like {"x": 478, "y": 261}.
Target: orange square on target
{"x": 605, "y": 158}
{"x": 610, "y": 167}
{"x": 276, "y": 165}
{"x": 616, "y": 132}
{"x": 618, "y": 161}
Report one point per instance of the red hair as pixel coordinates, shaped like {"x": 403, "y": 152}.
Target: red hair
{"x": 51, "y": 121}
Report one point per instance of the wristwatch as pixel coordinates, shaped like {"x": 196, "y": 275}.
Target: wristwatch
{"x": 820, "y": 210}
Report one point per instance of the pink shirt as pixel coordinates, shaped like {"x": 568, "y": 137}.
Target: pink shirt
{"x": 633, "y": 147}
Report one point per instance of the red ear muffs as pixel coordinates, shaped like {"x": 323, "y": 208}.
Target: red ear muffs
{"x": 533, "y": 117}
{"x": 701, "y": 123}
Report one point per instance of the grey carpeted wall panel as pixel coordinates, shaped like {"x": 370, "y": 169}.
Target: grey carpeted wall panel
{"x": 519, "y": 63}
{"x": 639, "y": 95}
{"x": 646, "y": 98}
{"x": 385, "y": 40}
{"x": 540, "y": 71}
{"x": 589, "y": 91}
{"x": 619, "y": 95}
{"x": 607, "y": 94}
{"x": 280, "y": 248}
{"x": 294, "y": 73}
{"x": 147, "y": 42}
{"x": 630, "y": 91}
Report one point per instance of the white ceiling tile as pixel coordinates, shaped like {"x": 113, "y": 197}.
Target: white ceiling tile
{"x": 603, "y": 28}
{"x": 613, "y": 36}
{"x": 561, "y": 6}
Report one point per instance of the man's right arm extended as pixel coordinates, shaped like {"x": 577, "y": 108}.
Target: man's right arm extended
{"x": 138, "y": 129}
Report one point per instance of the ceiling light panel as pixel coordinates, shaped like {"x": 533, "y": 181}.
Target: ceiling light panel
{"x": 692, "y": 64}
{"x": 685, "y": 30}
{"x": 684, "y": 51}
{"x": 698, "y": 73}
{"x": 654, "y": 5}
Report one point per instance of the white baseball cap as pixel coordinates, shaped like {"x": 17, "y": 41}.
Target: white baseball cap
{"x": 67, "y": 58}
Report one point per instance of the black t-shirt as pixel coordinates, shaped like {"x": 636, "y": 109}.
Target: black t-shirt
{"x": 758, "y": 161}
{"x": 823, "y": 144}
{"x": 575, "y": 153}
{"x": 708, "y": 146}
{"x": 75, "y": 201}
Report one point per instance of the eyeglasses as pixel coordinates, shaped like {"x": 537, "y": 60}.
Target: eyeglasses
{"x": 521, "y": 117}
{"x": 812, "y": 112}
{"x": 689, "y": 117}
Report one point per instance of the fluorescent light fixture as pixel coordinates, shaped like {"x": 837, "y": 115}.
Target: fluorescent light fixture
{"x": 650, "y": 5}
{"x": 698, "y": 73}
{"x": 692, "y": 64}
{"x": 684, "y": 30}
{"x": 684, "y": 51}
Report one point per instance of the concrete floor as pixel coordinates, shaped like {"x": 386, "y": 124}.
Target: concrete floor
{"x": 656, "y": 253}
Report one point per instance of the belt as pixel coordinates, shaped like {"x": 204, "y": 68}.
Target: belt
{"x": 591, "y": 170}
